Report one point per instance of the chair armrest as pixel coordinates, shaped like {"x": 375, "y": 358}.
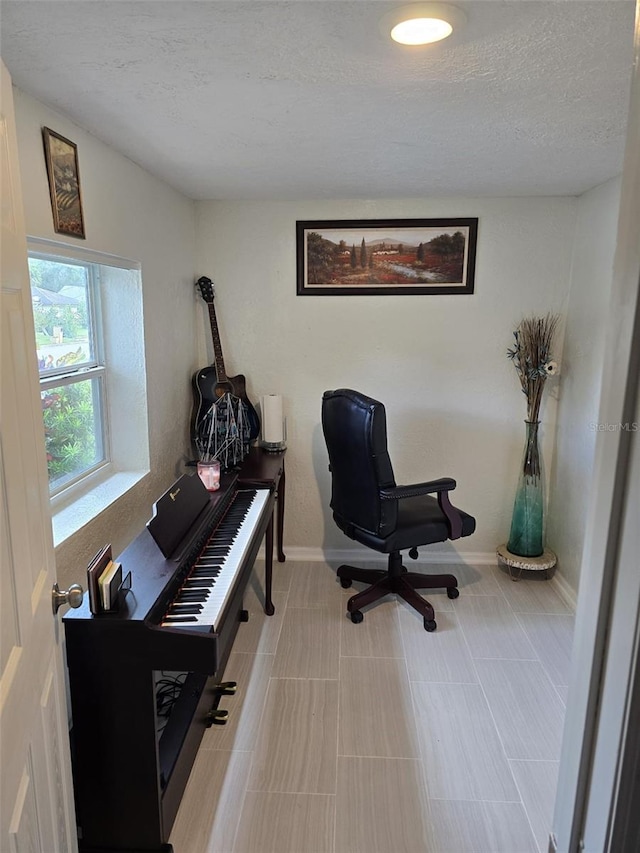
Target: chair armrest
{"x": 441, "y": 488}
{"x": 397, "y": 493}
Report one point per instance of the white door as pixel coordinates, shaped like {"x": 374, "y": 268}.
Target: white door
{"x": 595, "y": 807}
{"x": 36, "y": 800}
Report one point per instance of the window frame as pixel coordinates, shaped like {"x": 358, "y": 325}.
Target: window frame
{"x": 96, "y": 333}
{"x": 102, "y": 437}
{"x": 94, "y": 368}
{"x": 121, "y": 294}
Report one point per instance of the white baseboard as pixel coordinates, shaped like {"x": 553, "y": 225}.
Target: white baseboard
{"x": 366, "y": 555}
{"x": 566, "y": 593}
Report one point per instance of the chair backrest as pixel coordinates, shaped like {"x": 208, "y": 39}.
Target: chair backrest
{"x": 355, "y": 432}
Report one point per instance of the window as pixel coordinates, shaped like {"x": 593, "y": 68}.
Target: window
{"x": 89, "y": 328}
{"x": 69, "y": 343}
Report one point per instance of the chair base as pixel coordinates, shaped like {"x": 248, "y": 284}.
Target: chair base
{"x": 396, "y": 579}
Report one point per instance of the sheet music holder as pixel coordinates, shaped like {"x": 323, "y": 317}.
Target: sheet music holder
{"x": 176, "y": 511}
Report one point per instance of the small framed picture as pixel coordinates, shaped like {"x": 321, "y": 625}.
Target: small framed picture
{"x": 395, "y": 257}
{"x": 64, "y": 183}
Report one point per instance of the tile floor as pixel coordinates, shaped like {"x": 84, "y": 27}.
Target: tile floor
{"x": 381, "y": 737}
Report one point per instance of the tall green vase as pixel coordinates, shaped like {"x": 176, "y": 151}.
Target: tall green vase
{"x": 526, "y": 538}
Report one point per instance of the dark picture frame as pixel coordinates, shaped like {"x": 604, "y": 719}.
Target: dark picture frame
{"x": 367, "y": 257}
{"x": 61, "y": 156}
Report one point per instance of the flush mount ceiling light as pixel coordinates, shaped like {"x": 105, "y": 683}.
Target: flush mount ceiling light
{"x": 422, "y": 23}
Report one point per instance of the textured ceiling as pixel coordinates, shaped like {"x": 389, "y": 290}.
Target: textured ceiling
{"x": 306, "y": 99}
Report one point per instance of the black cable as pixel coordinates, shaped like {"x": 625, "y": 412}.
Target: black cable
{"x": 168, "y": 689}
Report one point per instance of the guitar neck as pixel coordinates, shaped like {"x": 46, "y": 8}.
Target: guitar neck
{"x": 217, "y": 346}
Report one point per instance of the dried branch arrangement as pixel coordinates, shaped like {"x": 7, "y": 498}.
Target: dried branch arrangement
{"x": 223, "y": 432}
{"x": 531, "y": 356}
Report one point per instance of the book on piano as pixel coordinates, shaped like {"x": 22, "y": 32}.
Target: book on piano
{"x": 109, "y": 583}
{"x": 95, "y": 569}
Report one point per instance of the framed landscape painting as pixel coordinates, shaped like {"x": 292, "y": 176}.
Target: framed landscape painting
{"x": 64, "y": 183}
{"x": 385, "y": 256}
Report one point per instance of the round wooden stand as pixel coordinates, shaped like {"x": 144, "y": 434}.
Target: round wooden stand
{"x": 543, "y": 563}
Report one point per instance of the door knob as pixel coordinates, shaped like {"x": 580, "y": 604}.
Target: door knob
{"x": 71, "y": 596}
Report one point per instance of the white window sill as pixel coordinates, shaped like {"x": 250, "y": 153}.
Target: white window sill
{"x": 67, "y": 519}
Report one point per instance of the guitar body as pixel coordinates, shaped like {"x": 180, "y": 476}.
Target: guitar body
{"x": 211, "y": 383}
{"x": 208, "y": 390}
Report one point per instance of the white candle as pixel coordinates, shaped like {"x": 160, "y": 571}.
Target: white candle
{"x": 272, "y": 425}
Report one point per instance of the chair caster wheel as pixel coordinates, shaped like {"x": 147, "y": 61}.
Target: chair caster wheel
{"x": 357, "y": 616}
{"x": 345, "y": 583}
{"x": 453, "y": 592}
{"x": 413, "y": 553}
{"x": 430, "y": 624}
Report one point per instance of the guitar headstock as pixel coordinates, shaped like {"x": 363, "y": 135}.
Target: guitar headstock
{"x": 205, "y": 286}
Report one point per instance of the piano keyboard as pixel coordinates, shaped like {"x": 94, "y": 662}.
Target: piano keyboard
{"x": 208, "y": 586}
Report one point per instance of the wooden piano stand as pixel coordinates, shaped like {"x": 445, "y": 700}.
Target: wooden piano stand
{"x": 265, "y": 469}
{"x": 131, "y": 756}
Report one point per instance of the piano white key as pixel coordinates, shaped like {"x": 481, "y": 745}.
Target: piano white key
{"x": 230, "y": 563}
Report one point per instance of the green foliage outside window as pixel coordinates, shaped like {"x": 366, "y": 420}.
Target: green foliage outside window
{"x": 70, "y": 430}
{"x": 72, "y": 320}
{"x": 53, "y": 274}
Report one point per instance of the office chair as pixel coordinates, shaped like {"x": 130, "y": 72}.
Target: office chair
{"x": 369, "y": 507}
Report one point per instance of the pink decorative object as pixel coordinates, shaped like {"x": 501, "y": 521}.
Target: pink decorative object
{"x": 209, "y": 473}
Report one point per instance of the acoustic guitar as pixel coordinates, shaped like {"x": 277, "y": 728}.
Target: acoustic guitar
{"x": 211, "y": 383}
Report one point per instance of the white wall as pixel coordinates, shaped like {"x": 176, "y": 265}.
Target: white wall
{"x": 130, "y": 214}
{"x": 439, "y": 363}
{"x": 581, "y": 369}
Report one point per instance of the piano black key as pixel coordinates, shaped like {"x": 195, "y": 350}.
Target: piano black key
{"x": 201, "y": 600}
{"x": 197, "y": 584}
{"x": 168, "y": 619}
{"x": 180, "y": 609}
{"x": 196, "y": 594}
